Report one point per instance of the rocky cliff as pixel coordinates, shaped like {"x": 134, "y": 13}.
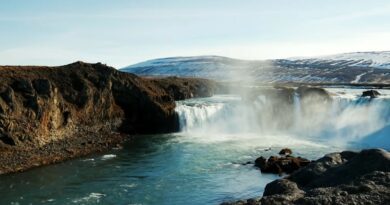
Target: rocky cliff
{"x": 48, "y": 114}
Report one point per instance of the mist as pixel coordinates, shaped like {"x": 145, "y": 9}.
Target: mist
{"x": 278, "y": 114}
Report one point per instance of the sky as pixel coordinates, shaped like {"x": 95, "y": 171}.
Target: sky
{"x": 125, "y": 32}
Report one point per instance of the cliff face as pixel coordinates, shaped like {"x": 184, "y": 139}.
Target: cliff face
{"x": 64, "y": 110}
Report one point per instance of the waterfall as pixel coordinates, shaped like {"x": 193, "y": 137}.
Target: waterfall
{"x": 343, "y": 121}
{"x": 297, "y": 110}
{"x": 196, "y": 115}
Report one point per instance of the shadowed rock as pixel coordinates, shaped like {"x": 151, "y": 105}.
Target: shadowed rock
{"x": 338, "y": 178}
{"x": 285, "y": 151}
{"x": 371, "y": 93}
{"x": 279, "y": 165}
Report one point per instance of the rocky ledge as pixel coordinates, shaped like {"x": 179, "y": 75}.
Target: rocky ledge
{"x": 49, "y": 114}
{"x": 338, "y": 178}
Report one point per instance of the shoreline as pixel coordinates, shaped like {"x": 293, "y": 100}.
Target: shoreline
{"x": 20, "y": 160}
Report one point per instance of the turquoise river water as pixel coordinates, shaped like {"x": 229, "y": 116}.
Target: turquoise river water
{"x": 203, "y": 163}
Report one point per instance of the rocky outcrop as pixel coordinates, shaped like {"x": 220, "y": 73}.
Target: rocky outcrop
{"x": 285, "y": 163}
{"x": 317, "y": 92}
{"x": 285, "y": 152}
{"x": 371, "y": 93}
{"x": 337, "y": 178}
{"x": 279, "y": 165}
{"x": 50, "y": 114}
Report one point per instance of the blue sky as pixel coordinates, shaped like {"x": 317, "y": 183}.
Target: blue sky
{"x": 119, "y": 33}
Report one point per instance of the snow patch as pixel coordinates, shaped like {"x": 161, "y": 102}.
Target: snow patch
{"x": 358, "y": 77}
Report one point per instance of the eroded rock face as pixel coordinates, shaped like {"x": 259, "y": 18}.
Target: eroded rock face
{"x": 40, "y": 106}
{"x": 337, "y": 178}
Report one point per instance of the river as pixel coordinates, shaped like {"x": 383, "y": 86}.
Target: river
{"x": 204, "y": 163}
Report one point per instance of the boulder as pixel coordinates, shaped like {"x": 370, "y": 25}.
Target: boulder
{"x": 285, "y": 151}
{"x": 371, "y": 93}
{"x": 278, "y": 165}
{"x": 281, "y": 186}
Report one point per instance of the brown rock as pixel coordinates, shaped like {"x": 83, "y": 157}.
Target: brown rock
{"x": 285, "y": 151}
{"x": 279, "y": 165}
{"x": 49, "y": 114}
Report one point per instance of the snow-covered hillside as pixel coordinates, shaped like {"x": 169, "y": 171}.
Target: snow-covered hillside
{"x": 362, "y": 59}
{"x": 360, "y": 67}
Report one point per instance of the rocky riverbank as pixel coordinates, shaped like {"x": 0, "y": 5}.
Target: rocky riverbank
{"x": 50, "y": 114}
{"x": 338, "y": 178}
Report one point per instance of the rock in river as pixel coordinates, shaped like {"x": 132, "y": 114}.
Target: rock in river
{"x": 284, "y": 164}
{"x": 371, "y": 93}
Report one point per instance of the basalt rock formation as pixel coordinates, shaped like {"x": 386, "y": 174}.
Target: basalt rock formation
{"x": 371, "y": 93}
{"x": 48, "y": 114}
{"x": 338, "y": 178}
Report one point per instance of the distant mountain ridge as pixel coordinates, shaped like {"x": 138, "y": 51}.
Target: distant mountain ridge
{"x": 358, "y": 67}
{"x": 373, "y": 59}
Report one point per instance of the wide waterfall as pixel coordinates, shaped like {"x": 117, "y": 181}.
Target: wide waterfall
{"x": 347, "y": 120}
{"x": 206, "y": 163}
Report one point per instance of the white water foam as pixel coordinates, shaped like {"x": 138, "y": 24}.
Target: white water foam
{"x": 132, "y": 185}
{"x": 92, "y": 197}
{"x": 349, "y": 119}
{"x": 108, "y": 156}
